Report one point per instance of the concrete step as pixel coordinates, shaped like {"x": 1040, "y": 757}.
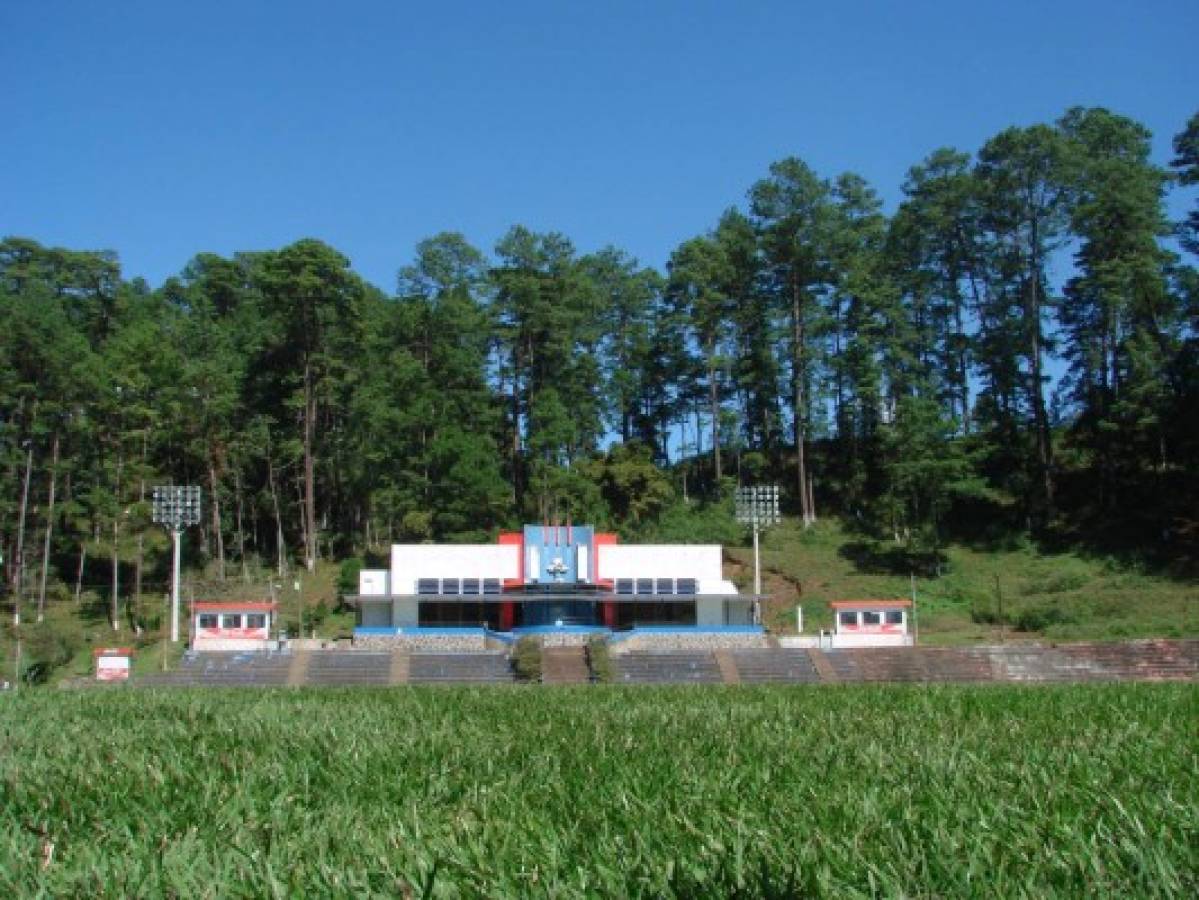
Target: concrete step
{"x": 565, "y": 665}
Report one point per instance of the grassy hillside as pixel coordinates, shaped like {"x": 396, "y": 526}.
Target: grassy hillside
{"x": 1064, "y": 596}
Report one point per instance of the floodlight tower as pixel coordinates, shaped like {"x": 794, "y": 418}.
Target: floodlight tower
{"x": 757, "y": 507}
{"x": 176, "y": 507}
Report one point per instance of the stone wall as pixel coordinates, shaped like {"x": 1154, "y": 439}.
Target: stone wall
{"x": 429, "y": 643}
{"x": 683, "y": 641}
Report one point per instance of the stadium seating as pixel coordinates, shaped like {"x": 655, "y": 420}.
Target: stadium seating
{"x": 459, "y": 668}
{"x": 665, "y": 668}
{"x": 775, "y": 665}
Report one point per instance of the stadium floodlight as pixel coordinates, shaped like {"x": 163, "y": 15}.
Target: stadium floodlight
{"x": 757, "y": 507}
{"x": 176, "y": 507}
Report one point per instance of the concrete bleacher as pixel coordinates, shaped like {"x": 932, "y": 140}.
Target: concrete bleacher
{"x": 775, "y": 665}
{"x": 1146, "y": 660}
{"x": 459, "y": 668}
{"x": 348, "y": 668}
{"x": 677, "y": 667}
{"x": 224, "y": 670}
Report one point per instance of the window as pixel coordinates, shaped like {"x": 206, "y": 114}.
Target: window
{"x": 847, "y": 618}
{"x": 895, "y": 617}
{"x": 645, "y": 585}
{"x": 686, "y": 585}
{"x": 665, "y": 586}
{"x": 491, "y": 585}
{"x": 256, "y": 620}
{"x": 208, "y": 620}
{"x": 470, "y": 585}
{"x": 451, "y": 586}
{"x": 231, "y": 620}
{"x": 624, "y": 585}
{"x": 871, "y": 617}
{"x": 426, "y": 585}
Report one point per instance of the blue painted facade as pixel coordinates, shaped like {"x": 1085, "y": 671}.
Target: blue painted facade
{"x": 558, "y": 553}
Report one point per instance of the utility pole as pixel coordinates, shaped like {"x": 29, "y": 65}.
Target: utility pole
{"x": 757, "y": 507}
{"x": 176, "y": 507}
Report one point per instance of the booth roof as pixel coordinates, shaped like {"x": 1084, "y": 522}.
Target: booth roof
{"x": 870, "y": 604}
{"x": 236, "y": 606}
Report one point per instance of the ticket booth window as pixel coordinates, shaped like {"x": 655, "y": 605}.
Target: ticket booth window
{"x": 848, "y": 618}
{"x": 208, "y": 620}
{"x": 256, "y": 620}
{"x": 895, "y": 617}
{"x": 231, "y": 620}
{"x": 869, "y": 617}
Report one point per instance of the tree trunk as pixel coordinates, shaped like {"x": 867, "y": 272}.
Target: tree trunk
{"x": 216, "y": 519}
{"x": 1040, "y": 416}
{"x": 270, "y": 480}
{"x": 19, "y": 562}
{"x": 310, "y": 549}
{"x": 714, "y": 403}
{"x": 241, "y": 533}
{"x": 139, "y": 561}
{"x": 115, "y": 597}
{"x": 797, "y": 401}
{"x": 79, "y": 571}
{"x": 41, "y": 595}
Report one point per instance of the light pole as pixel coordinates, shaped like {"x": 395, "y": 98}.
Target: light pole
{"x": 176, "y": 507}
{"x": 757, "y": 507}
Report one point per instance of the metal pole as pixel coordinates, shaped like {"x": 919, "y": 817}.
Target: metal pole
{"x": 757, "y": 578}
{"x": 177, "y": 538}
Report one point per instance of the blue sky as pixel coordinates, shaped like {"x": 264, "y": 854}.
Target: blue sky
{"x": 161, "y": 129}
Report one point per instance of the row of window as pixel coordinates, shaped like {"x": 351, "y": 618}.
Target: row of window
{"x": 626, "y": 586}
{"x": 870, "y": 617}
{"x": 232, "y": 620}
{"x": 656, "y": 586}
{"x": 457, "y": 585}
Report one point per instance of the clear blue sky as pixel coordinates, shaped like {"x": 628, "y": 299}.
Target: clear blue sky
{"x": 160, "y": 129}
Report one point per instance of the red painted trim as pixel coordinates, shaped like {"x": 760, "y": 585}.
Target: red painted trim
{"x": 515, "y": 539}
{"x": 870, "y": 604}
{"x": 600, "y": 539}
{"x": 112, "y": 651}
{"x": 231, "y": 606}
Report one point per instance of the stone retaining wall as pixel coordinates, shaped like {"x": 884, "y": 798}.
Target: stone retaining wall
{"x": 429, "y": 643}
{"x": 680, "y": 641}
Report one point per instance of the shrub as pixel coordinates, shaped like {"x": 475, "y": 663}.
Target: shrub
{"x": 526, "y": 659}
{"x": 1039, "y": 618}
{"x": 599, "y": 660}
{"x": 347, "y": 578}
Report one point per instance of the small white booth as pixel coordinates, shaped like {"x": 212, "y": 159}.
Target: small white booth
{"x": 232, "y": 625}
{"x": 871, "y": 623}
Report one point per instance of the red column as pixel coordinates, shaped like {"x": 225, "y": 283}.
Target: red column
{"x": 507, "y": 615}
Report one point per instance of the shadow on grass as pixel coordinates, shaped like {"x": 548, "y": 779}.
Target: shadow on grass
{"x": 877, "y": 558}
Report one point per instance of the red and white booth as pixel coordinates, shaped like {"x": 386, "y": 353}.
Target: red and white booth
{"x": 232, "y": 625}
{"x": 112, "y": 663}
{"x": 871, "y": 623}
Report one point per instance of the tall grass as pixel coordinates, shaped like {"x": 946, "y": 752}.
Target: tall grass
{"x": 880, "y": 791}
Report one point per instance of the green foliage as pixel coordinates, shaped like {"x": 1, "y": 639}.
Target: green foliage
{"x": 601, "y": 791}
{"x": 599, "y": 660}
{"x": 347, "y": 575}
{"x": 526, "y": 659}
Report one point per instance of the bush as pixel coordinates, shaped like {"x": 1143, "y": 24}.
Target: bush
{"x": 1041, "y": 618}
{"x": 598, "y": 660}
{"x": 526, "y": 659}
{"x": 347, "y": 579}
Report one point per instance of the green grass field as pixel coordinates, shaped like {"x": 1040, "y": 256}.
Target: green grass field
{"x": 513, "y": 792}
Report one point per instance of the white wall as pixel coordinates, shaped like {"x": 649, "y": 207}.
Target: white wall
{"x": 698, "y": 561}
{"x": 374, "y": 583}
{"x": 709, "y": 611}
{"x": 412, "y": 561}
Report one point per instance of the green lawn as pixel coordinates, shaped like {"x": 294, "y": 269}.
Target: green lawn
{"x": 1066, "y": 596}
{"x": 613, "y": 792}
